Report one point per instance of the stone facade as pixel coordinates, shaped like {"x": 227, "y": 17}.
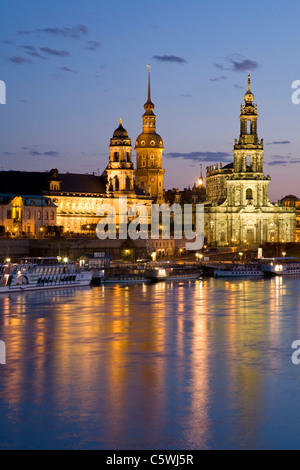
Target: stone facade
{"x": 26, "y": 214}
{"x": 238, "y": 209}
{"x": 149, "y": 175}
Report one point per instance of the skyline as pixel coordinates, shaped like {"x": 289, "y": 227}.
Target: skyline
{"x": 70, "y": 80}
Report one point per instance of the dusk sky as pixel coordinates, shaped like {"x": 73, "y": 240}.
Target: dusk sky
{"x": 74, "y": 68}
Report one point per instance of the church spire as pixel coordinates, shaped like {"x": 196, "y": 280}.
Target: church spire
{"x": 149, "y": 86}
{"x": 249, "y": 83}
{"x": 149, "y": 106}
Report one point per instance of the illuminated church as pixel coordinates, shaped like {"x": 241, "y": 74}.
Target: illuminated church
{"x": 237, "y": 206}
{"x": 238, "y": 209}
{"x": 78, "y": 197}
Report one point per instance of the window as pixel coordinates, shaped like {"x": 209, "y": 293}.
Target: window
{"x": 248, "y": 127}
{"x": 116, "y": 157}
{"x": 46, "y": 215}
{"x": 248, "y": 162}
{"x": 9, "y": 213}
{"x": 52, "y": 215}
{"x": 39, "y": 215}
{"x": 28, "y": 214}
{"x": 249, "y": 194}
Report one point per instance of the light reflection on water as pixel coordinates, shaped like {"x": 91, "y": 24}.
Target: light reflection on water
{"x": 191, "y": 365}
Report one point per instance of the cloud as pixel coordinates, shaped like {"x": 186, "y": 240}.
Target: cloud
{"x": 169, "y": 58}
{"x": 282, "y": 160}
{"x": 93, "y": 45}
{"x": 29, "y": 48}
{"x": 218, "y": 79}
{"x": 153, "y": 26}
{"x": 185, "y": 95}
{"x": 37, "y": 54}
{"x": 279, "y": 142}
{"x": 7, "y": 153}
{"x": 202, "y": 156}
{"x": 66, "y": 69}
{"x": 51, "y": 153}
{"x": 75, "y": 32}
{"x": 239, "y": 87}
{"x": 25, "y": 32}
{"x": 33, "y": 52}
{"x": 19, "y": 60}
{"x": 48, "y": 50}
{"x": 237, "y": 63}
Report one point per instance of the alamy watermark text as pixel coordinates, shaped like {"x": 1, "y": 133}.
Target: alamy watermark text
{"x": 2, "y": 92}
{"x": 2, "y": 353}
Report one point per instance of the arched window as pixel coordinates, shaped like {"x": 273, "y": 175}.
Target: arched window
{"x": 249, "y": 194}
{"x": 117, "y": 184}
{"x": 128, "y": 183}
{"x": 248, "y": 127}
{"x": 116, "y": 157}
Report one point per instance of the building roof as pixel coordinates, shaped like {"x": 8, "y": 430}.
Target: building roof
{"x": 37, "y": 183}
{"x": 28, "y": 200}
{"x": 24, "y": 182}
{"x": 80, "y": 183}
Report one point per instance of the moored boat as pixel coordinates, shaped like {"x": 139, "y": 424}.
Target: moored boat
{"x": 238, "y": 270}
{"x": 284, "y": 266}
{"x": 41, "y": 273}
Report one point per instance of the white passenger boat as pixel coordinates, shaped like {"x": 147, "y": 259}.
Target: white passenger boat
{"x": 238, "y": 270}
{"x": 280, "y": 266}
{"x": 41, "y": 273}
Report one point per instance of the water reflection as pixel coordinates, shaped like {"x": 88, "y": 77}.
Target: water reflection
{"x": 170, "y": 366}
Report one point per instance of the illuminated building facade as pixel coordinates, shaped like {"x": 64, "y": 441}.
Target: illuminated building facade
{"x": 238, "y": 209}
{"x": 29, "y": 214}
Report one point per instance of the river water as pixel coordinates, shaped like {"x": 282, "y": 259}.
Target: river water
{"x": 183, "y": 365}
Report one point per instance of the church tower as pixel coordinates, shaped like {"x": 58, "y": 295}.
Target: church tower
{"x": 248, "y": 184}
{"x": 248, "y": 151}
{"x": 149, "y": 147}
{"x": 239, "y": 212}
{"x": 120, "y": 168}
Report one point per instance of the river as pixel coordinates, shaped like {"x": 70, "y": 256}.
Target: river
{"x": 173, "y": 365}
